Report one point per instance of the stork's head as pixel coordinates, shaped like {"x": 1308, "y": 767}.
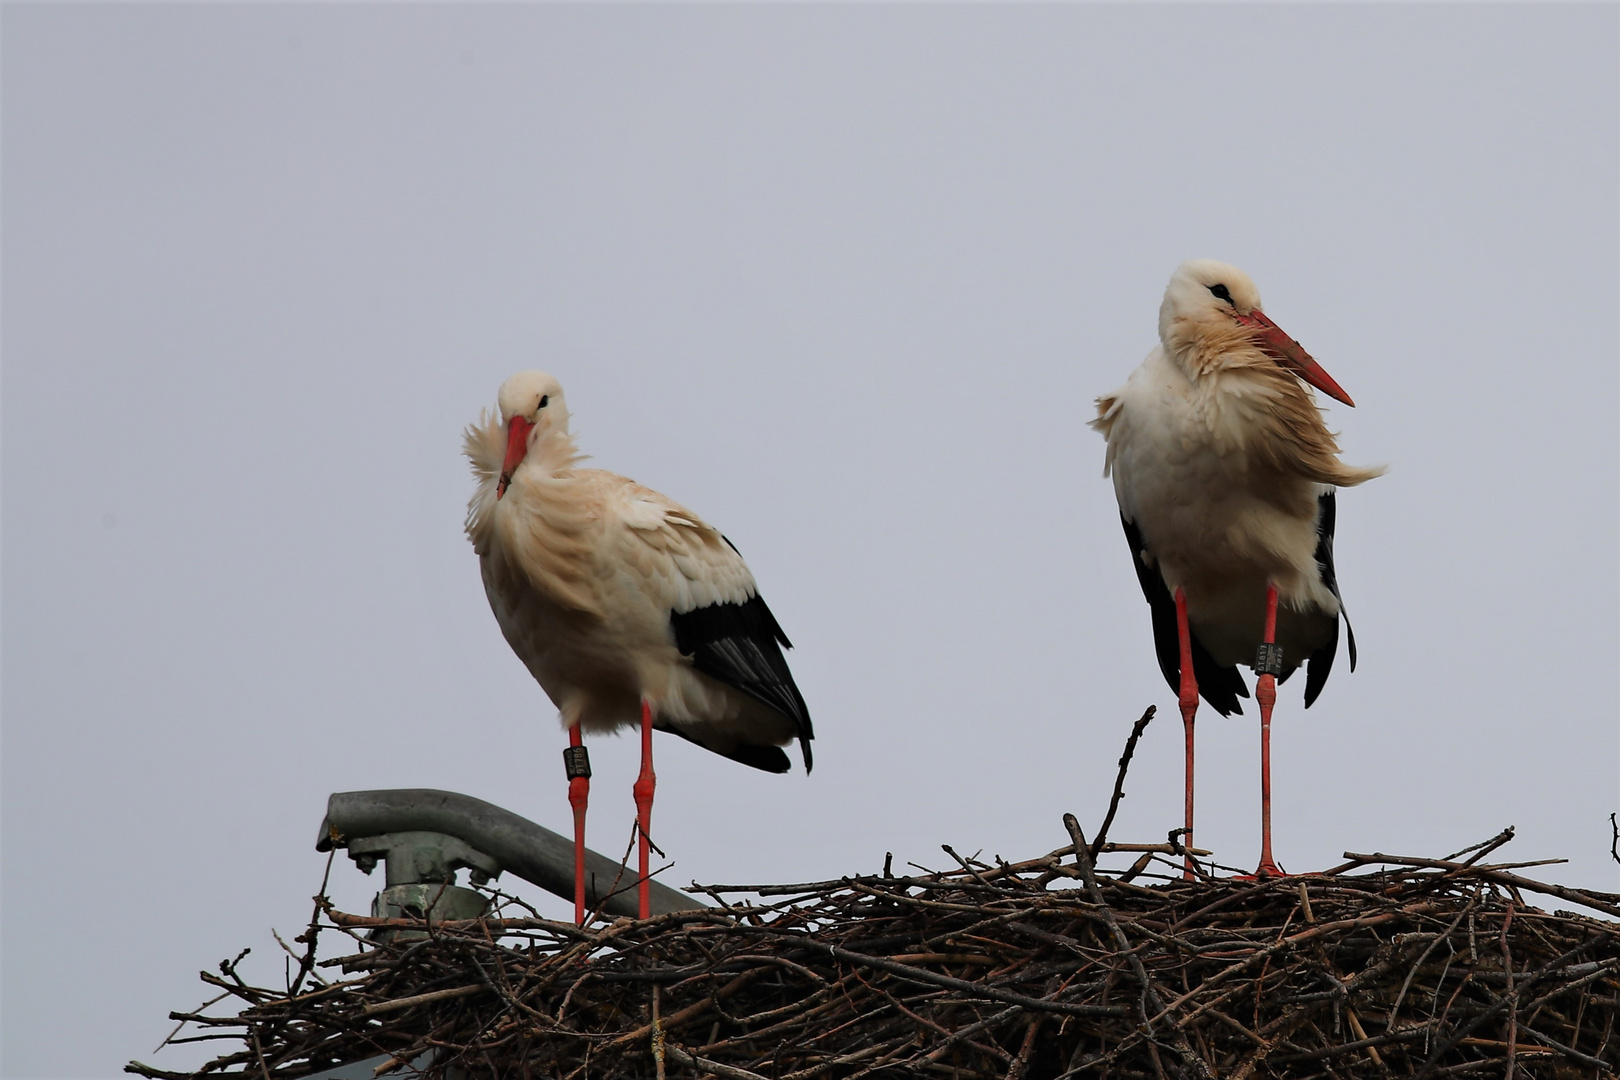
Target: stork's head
{"x": 532, "y": 407}
{"x": 1206, "y": 301}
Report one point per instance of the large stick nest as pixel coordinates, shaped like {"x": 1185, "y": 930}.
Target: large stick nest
{"x": 1039, "y": 969}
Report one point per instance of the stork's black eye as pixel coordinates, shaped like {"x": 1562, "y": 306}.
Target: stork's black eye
{"x": 1222, "y": 292}
{"x": 544, "y": 398}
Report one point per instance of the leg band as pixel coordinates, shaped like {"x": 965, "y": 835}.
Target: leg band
{"x": 1268, "y": 659}
{"x": 577, "y": 762}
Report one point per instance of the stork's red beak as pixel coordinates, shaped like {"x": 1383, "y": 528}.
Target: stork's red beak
{"x": 1287, "y": 352}
{"x": 517, "y": 444}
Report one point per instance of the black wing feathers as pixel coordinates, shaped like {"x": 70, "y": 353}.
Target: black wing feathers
{"x": 1220, "y": 686}
{"x": 768, "y": 758}
{"x": 741, "y": 646}
{"x": 1321, "y": 662}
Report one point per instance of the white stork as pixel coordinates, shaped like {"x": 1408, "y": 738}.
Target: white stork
{"x": 625, "y": 606}
{"x": 1225, "y": 476}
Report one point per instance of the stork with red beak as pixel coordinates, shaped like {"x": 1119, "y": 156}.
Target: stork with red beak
{"x": 626, "y": 607}
{"x": 1225, "y": 476}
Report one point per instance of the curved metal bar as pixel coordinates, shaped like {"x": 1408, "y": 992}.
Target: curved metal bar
{"x": 532, "y": 852}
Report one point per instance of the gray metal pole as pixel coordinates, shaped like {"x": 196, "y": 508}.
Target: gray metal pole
{"x": 532, "y": 852}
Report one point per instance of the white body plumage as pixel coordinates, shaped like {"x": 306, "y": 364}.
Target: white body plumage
{"x": 593, "y": 578}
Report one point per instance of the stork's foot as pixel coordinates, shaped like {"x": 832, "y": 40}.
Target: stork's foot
{"x": 1264, "y": 871}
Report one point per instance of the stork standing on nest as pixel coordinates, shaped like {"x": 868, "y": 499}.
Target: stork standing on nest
{"x": 625, "y": 606}
{"x": 1225, "y": 476}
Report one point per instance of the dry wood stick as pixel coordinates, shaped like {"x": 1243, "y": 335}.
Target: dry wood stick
{"x": 1119, "y": 780}
{"x": 718, "y": 1068}
{"x": 422, "y": 999}
{"x": 1484, "y": 847}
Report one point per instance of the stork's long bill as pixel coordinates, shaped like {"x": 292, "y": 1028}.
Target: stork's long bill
{"x": 517, "y": 445}
{"x": 1290, "y": 354}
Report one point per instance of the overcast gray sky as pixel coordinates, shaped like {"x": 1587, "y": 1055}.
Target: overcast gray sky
{"x": 843, "y": 279}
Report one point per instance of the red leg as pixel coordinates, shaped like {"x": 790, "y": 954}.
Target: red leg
{"x": 1265, "y": 692}
{"x": 645, "y": 783}
{"x": 579, "y": 793}
{"x": 1188, "y": 699}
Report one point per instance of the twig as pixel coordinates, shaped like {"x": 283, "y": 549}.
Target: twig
{"x": 1484, "y": 847}
{"x": 211, "y": 1001}
{"x": 657, "y": 1031}
{"x": 422, "y": 999}
{"x": 1119, "y": 780}
{"x": 718, "y": 1068}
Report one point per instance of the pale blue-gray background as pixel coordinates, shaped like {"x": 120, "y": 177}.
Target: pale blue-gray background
{"x": 843, "y": 279}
